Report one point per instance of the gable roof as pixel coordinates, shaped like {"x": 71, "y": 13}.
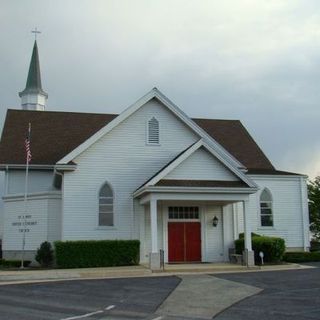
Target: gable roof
{"x": 55, "y": 134}
{"x": 152, "y": 94}
{"x": 186, "y": 154}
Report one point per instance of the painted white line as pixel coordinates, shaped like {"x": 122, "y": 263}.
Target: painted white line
{"x": 109, "y": 307}
{"x": 84, "y": 315}
{"x": 159, "y": 318}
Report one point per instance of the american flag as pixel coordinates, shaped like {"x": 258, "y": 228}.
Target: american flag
{"x": 27, "y": 145}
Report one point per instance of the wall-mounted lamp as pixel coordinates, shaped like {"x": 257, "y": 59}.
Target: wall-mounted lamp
{"x": 215, "y": 221}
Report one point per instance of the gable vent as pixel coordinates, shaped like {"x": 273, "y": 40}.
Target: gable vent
{"x": 153, "y": 131}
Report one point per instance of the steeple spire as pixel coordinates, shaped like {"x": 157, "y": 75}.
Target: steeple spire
{"x": 33, "y": 97}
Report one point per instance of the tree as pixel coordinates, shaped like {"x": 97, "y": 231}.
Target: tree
{"x": 314, "y": 206}
{"x": 45, "y": 254}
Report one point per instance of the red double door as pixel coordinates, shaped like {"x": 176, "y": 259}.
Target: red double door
{"x": 184, "y": 240}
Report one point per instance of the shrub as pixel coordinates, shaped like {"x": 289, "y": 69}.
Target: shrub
{"x": 314, "y": 245}
{"x": 45, "y": 254}
{"x": 103, "y": 253}
{"x": 13, "y": 263}
{"x": 272, "y": 247}
{"x": 297, "y": 257}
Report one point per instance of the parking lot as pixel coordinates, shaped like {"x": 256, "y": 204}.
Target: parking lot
{"x": 293, "y": 294}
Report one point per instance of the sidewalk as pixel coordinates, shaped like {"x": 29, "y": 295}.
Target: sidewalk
{"x": 29, "y": 275}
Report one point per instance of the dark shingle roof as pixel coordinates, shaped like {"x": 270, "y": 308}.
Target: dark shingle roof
{"x": 234, "y": 137}
{"x": 55, "y": 134}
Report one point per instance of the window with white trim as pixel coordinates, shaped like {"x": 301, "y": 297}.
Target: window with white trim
{"x": 266, "y": 216}
{"x": 183, "y": 213}
{"x": 153, "y": 131}
{"x": 106, "y": 206}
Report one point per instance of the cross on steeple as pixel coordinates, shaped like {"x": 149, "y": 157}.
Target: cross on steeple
{"x": 35, "y": 31}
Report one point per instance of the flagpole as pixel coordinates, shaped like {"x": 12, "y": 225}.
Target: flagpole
{"x": 25, "y": 201}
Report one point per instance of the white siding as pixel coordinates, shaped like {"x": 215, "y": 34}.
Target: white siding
{"x": 214, "y": 251}
{"x": 2, "y": 179}
{"x": 54, "y": 219}
{"x": 287, "y": 209}
{"x": 44, "y": 211}
{"x": 123, "y": 159}
{"x": 201, "y": 165}
{"x": 38, "y": 181}
{"x": 12, "y": 239}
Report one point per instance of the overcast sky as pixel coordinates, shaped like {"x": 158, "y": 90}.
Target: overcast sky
{"x": 253, "y": 60}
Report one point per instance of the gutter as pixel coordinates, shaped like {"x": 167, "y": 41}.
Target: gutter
{"x": 63, "y": 167}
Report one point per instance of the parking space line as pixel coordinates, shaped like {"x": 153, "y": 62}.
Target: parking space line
{"x": 83, "y": 315}
{"x": 159, "y": 318}
{"x": 109, "y": 307}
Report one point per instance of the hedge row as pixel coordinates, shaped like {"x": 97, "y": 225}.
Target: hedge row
{"x": 272, "y": 247}
{"x": 13, "y": 263}
{"x": 297, "y": 257}
{"x": 104, "y": 253}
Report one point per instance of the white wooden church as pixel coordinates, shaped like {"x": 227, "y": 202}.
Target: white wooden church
{"x": 181, "y": 185}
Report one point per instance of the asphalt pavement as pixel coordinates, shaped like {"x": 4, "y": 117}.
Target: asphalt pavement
{"x": 272, "y": 295}
{"x": 293, "y": 295}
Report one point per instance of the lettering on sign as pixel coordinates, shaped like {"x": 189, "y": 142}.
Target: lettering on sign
{"x": 24, "y": 223}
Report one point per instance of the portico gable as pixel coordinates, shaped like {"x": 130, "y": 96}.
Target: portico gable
{"x": 198, "y": 177}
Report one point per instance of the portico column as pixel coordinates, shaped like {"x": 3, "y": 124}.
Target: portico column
{"x": 248, "y": 254}
{"x": 154, "y": 255}
{"x": 154, "y": 225}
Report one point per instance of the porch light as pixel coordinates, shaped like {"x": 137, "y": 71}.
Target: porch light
{"x": 215, "y": 221}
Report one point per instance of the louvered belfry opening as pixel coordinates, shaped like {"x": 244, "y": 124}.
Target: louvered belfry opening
{"x": 153, "y": 131}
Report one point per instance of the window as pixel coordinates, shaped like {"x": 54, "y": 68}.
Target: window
{"x": 184, "y": 213}
{"x": 153, "y": 131}
{"x": 266, "y": 209}
{"x": 106, "y": 206}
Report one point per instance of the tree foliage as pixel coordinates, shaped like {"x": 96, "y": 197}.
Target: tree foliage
{"x": 314, "y": 206}
{"x": 45, "y": 254}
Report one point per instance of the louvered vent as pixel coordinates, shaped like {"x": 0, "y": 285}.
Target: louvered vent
{"x": 153, "y": 131}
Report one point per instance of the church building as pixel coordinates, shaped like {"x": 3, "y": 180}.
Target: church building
{"x": 182, "y": 186}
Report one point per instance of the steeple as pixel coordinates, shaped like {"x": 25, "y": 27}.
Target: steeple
{"x": 33, "y": 97}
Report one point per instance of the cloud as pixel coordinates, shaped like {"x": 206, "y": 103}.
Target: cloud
{"x": 254, "y": 60}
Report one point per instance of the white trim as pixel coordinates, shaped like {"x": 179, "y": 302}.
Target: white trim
{"x": 275, "y": 177}
{"x": 103, "y": 227}
{"x": 65, "y": 167}
{"x": 154, "y": 93}
{"x": 196, "y": 190}
{"x": 33, "y": 196}
{"x": 236, "y": 197}
{"x": 304, "y": 213}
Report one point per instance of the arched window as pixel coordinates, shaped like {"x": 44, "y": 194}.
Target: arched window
{"x": 106, "y": 206}
{"x": 153, "y": 131}
{"x": 266, "y": 209}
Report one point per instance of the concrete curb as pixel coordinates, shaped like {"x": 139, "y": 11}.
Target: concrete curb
{"x": 40, "y": 276}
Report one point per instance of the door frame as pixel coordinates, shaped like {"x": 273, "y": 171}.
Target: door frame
{"x": 202, "y": 214}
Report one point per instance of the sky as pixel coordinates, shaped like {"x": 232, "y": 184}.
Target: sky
{"x": 253, "y": 60}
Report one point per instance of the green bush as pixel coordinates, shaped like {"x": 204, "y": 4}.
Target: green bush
{"x": 272, "y": 247}
{"x": 314, "y": 245}
{"x": 13, "y": 263}
{"x": 297, "y": 257}
{"x": 45, "y": 254}
{"x": 103, "y": 253}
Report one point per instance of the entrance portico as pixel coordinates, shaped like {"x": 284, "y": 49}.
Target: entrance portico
{"x": 180, "y": 235}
